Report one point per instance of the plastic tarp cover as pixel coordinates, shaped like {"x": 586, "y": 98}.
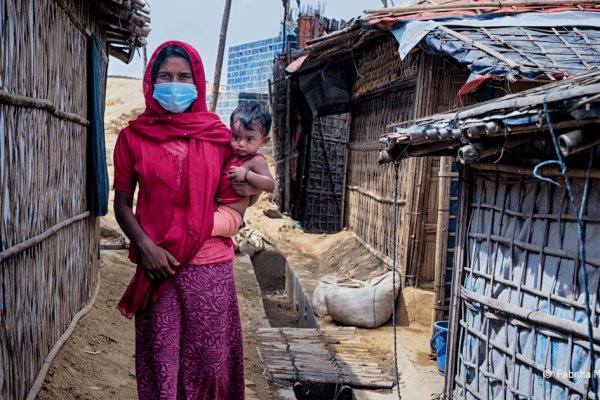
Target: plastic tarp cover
{"x": 410, "y": 33}
{"x": 559, "y": 63}
{"x": 326, "y": 91}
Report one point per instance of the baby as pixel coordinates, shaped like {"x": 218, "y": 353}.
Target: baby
{"x": 250, "y": 124}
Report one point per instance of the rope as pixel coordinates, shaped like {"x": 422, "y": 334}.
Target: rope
{"x": 580, "y": 233}
{"x": 394, "y": 233}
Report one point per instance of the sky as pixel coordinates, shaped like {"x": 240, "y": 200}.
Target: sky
{"x": 198, "y": 22}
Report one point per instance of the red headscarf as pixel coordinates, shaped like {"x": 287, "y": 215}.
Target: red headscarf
{"x": 188, "y": 213}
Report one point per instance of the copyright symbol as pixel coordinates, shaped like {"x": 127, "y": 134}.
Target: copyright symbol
{"x": 547, "y": 373}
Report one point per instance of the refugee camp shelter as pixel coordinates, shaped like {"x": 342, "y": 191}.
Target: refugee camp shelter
{"x": 334, "y": 98}
{"x": 53, "y": 179}
{"x": 524, "y": 313}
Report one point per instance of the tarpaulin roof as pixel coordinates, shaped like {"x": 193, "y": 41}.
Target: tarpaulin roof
{"x": 410, "y": 33}
{"x": 527, "y": 45}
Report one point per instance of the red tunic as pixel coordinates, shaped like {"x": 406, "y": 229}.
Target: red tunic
{"x": 177, "y": 160}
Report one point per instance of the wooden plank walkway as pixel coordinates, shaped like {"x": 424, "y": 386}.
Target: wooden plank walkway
{"x": 332, "y": 355}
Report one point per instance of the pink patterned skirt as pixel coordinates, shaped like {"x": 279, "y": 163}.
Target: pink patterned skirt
{"x": 189, "y": 343}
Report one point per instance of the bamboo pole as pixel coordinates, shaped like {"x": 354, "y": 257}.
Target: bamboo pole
{"x": 219, "y": 63}
{"x": 481, "y": 5}
{"x": 441, "y": 240}
{"x": 528, "y": 171}
{"x": 145, "y": 60}
{"x": 14, "y": 250}
{"x": 537, "y": 317}
{"x": 287, "y": 136}
{"x": 41, "y": 376}
{"x": 62, "y": 4}
{"x": 464, "y": 196}
{"x": 374, "y": 196}
{"x": 480, "y": 46}
{"x": 530, "y": 100}
{"x": 381, "y": 257}
{"x": 42, "y": 104}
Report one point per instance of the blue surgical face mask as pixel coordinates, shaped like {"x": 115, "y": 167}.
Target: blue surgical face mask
{"x": 175, "y": 97}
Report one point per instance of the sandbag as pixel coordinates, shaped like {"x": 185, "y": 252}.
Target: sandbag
{"x": 368, "y": 306}
{"x": 318, "y": 297}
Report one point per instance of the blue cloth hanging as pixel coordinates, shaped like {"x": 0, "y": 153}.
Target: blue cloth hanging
{"x": 97, "y": 173}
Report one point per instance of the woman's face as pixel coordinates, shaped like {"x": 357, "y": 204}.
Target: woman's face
{"x": 174, "y": 69}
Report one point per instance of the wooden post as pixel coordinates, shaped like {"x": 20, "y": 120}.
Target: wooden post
{"x": 219, "y": 63}
{"x": 288, "y": 135}
{"x": 441, "y": 240}
{"x": 460, "y": 255}
{"x": 145, "y": 54}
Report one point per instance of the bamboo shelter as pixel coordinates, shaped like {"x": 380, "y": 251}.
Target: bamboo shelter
{"x": 384, "y": 71}
{"x": 53, "y": 177}
{"x": 524, "y": 299}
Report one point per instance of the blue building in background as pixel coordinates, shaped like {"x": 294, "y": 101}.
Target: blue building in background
{"x": 249, "y": 68}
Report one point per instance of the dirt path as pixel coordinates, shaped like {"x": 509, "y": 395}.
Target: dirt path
{"x": 97, "y": 362}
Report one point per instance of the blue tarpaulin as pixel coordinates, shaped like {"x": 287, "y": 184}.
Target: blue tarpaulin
{"x": 409, "y": 33}
{"x": 97, "y": 183}
{"x": 527, "y": 45}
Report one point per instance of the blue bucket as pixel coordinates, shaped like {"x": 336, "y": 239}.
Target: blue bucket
{"x": 438, "y": 343}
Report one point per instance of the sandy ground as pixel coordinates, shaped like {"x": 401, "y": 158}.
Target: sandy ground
{"x": 97, "y": 362}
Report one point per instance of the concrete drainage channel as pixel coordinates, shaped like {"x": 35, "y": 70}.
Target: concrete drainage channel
{"x": 286, "y": 305}
{"x": 284, "y": 299}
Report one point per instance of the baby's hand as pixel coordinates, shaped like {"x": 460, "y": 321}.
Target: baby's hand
{"x": 238, "y": 174}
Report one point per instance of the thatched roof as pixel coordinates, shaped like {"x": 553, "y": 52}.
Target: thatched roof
{"x": 127, "y": 24}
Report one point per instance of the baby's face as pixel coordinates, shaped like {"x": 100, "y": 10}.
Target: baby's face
{"x": 244, "y": 141}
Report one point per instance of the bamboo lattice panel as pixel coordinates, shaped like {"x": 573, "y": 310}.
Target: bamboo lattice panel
{"x": 324, "y": 178}
{"x": 335, "y": 356}
{"x": 522, "y": 259}
{"x": 49, "y": 246}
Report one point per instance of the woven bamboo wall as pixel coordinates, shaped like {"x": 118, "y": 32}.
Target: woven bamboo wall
{"x": 383, "y": 93}
{"x": 381, "y": 66}
{"x": 521, "y": 258}
{"x": 49, "y": 253}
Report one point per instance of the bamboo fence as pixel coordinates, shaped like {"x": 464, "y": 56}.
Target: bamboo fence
{"x": 50, "y": 248}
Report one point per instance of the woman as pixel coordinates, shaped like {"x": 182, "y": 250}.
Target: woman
{"x": 188, "y": 331}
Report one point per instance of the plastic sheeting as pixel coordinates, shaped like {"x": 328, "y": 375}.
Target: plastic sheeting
{"x": 522, "y": 248}
{"x": 411, "y": 32}
{"x": 554, "y": 57}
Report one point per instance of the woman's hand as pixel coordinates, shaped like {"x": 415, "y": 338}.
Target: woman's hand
{"x": 157, "y": 262}
{"x": 238, "y": 174}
